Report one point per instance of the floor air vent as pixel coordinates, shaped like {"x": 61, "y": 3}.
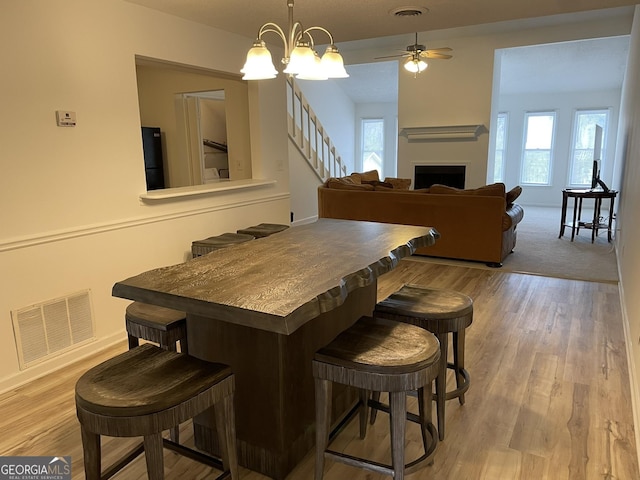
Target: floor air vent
{"x": 52, "y": 327}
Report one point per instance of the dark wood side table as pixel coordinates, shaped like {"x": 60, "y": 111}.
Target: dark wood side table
{"x": 577, "y": 223}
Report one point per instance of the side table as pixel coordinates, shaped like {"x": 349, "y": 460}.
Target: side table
{"x": 595, "y": 224}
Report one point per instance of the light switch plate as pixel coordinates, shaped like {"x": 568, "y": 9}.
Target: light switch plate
{"x": 65, "y": 118}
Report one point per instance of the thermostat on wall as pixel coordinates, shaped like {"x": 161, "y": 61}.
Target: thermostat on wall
{"x": 65, "y": 119}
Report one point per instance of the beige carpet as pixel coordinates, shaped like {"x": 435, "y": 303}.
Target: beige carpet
{"x": 539, "y": 251}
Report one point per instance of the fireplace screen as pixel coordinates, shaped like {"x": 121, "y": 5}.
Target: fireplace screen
{"x": 450, "y": 175}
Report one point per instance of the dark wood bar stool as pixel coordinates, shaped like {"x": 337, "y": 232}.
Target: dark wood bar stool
{"x": 208, "y": 245}
{"x": 378, "y": 355}
{"x": 263, "y": 229}
{"x": 164, "y": 326}
{"x": 441, "y": 312}
{"x": 147, "y": 390}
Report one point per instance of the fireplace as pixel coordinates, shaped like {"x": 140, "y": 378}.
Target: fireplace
{"x": 450, "y": 175}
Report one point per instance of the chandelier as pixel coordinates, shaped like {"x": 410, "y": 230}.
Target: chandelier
{"x": 300, "y": 58}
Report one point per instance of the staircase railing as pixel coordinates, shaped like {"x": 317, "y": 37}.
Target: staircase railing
{"x": 310, "y": 137}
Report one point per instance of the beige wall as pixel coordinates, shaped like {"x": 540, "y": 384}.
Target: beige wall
{"x": 628, "y": 247}
{"x": 71, "y": 217}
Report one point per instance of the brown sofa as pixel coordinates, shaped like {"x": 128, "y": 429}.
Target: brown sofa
{"x": 478, "y": 224}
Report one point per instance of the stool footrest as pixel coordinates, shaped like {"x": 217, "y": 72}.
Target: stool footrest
{"x": 197, "y": 456}
{"x": 169, "y": 445}
{"x": 386, "y": 469}
{"x": 412, "y": 417}
{"x": 123, "y": 462}
{"x": 344, "y": 420}
{"x": 358, "y": 462}
{"x": 461, "y": 390}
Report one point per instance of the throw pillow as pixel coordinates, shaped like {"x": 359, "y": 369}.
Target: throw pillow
{"x": 513, "y": 194}
{"x": 494, "y": 189}
{"x": 399, "y": 183}
{"x": 367, "y": 176}
{"x": 346, "y": 183}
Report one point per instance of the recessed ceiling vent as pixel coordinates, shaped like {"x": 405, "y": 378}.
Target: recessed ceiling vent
{"x": 410, "y": 11}
{"x": 52, "y": 327}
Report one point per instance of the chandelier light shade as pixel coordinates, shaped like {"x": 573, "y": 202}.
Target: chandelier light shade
{"x": 300, "y": 58}
{"x": 259, "y": 64}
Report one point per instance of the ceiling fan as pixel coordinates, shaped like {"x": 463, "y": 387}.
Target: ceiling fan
{"x": 416, "y": 54}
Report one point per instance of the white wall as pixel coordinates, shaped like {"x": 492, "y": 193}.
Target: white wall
{"x": 304, "y": 188}
{"x": 71, "y": 215}
{"x": 336, "y": 112}
{"x": 564, "y": 105}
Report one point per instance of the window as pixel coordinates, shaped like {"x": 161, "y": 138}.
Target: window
{"x": 538, "y": 142}
{"x": 582, "y": 152}
{"x": 373, "y": 145}
{"x": 501, "y": 143}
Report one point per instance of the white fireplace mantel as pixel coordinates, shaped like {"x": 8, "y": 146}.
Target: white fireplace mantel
{"x": 443, "y": 133}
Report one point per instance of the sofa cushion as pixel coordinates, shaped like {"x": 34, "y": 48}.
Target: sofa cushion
{"x": 399, "y": 183}
{"x": 494, "y": 189}
{"x": 367, "y": 176}
{"x": 347, "y": 183}
{"x": 513, "y": 194}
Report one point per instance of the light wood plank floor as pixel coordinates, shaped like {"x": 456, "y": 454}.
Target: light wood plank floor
{"x": 549, "y": 396}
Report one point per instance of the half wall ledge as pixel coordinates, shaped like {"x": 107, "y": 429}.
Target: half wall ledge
{"x": 446, "y": 133}
{"x": 209, "y": 188}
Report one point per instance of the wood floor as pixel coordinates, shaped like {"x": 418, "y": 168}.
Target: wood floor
{"x": 549, "y": 396}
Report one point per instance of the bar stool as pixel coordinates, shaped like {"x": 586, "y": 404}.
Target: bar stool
{"x": 441, "y": 312}
{"x": 263, "y": 229}
{"x": 146, "y": 390}
{"x": 208, "y": 245}
{"x": 163, "y": 326}
{"x": 378, "y": 355}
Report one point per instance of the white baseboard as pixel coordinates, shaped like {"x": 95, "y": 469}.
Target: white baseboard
{"x": 304, "y": 221}
{"x": 633, "y": 373}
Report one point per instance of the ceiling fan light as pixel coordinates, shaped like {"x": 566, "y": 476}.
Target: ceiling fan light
{"x": 259, "y": 65}
{"x": 333, "y": 64}
{"x": 301, "y": 60}
{"x": 415, "y": 65}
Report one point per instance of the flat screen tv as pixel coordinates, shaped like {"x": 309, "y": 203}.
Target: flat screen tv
{"x": 597, "y": 155}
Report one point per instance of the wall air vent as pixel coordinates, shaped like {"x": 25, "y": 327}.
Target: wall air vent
{"x": 53, "y": 327}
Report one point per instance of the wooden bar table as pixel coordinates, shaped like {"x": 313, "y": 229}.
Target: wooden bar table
{"x": 264, "y": 307}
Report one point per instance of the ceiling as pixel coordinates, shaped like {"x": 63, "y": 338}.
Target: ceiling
{"x": 350, "y": 20}
{"x": 559, "y": 67}
{"x": 578, "y": 66}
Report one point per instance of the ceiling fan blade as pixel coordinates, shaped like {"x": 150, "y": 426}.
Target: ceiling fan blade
{"x": 393, "y": 56}
{"x": 435, "y": 55}
{"x": 441, "y": 49}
